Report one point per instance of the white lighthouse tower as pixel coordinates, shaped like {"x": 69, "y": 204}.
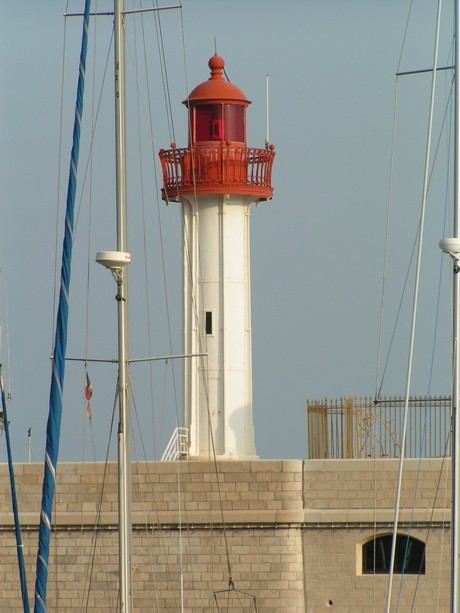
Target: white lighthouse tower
{"x": 216, "y": 179}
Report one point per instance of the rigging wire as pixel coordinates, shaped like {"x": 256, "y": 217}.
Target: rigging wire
{"x": 187, "y": 265}
{"x": 207, "y": 408}
{"x": 378, "y": 389}
{"x": 162, "y": 250}
{"x": 93, "y": 133}
{"x": 213, "y": 447}
{"x": 414, "y": 311}
{"x": 154, "y": 508}
{"x": 89, "y": 171}
{"x": 168, "y": 107}
{"x": 148, "y": 114}
{"x": 202, "y": 344}
{"x": 389, "y": 202}
{"x": 164, "y": 72}
{"x": 435, "y": 333}
{"x": 385, "y": 260}
{"x": 157, "y": 191}
{"x": 92, "y": 556}
{"x": 88, "y": 251}
{"x": 144, "y": 221}
{"x": 430, "y": 521}
{"x": 409, "y": 266}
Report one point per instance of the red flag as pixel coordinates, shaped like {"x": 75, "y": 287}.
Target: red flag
{"x": 88, "y": 388}
{"x": 88, "y": 394}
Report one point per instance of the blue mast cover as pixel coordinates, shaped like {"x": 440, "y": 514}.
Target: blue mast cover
{"x": 53, "y": 427}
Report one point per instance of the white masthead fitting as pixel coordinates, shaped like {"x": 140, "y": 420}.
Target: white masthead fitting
{"x": 450, "y": 246}
{"x": 113, "y": 260}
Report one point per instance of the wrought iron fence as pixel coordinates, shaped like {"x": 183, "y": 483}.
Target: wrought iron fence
{"x": 366, "y": 428}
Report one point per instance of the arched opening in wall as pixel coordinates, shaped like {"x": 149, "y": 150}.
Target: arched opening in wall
{"x": 409, "y": 555}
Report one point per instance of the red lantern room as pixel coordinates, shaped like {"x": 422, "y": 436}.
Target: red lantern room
{"x": 217, "y": 109}
{"x": 217, "y": 159}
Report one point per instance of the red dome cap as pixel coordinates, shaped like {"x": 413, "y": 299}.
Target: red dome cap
{"x": 216, "y": 88}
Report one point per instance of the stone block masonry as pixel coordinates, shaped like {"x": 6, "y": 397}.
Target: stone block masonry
{"x": 293, "y": 531}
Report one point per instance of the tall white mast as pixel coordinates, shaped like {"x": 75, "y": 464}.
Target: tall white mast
{"x": 124, "y": 425}
{"x": 455, "y": 541}
{"x": 452, "y": 247}
{"x": 117, "y": 261}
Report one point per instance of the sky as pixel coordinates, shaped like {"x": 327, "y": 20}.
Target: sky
{"x": 317, "y": 249}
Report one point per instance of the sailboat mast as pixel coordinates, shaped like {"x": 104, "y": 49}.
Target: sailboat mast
{"x": 124, "y": 425}
{"x": 455, "y": 524}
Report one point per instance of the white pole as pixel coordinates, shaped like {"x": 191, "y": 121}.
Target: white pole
{"x": 455, "y": 545}
{"x": 29, "y": 441}
{"x": 124, "y": 425}
{"x": 414, "y": 311}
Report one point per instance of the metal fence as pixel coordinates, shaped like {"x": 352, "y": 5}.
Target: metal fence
{"x": 366, "y": 428}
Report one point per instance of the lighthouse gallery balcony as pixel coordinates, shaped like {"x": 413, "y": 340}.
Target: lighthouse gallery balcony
{"x": 219, "y": 168}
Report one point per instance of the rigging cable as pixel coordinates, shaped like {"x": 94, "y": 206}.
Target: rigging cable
{"x": 409, "y": 266}
{"x": 88, "y": 172}
{"x": 212, "y": 446}
{"x": 414, "y": 311}
{"x": 201, "y": 350}
{"x": 389, "y": 201}
{"x": 86, "y": 385}
{"x": 430, "y": 522}
{"x": 428, "y": 394}
{"x": 92, "y": 556}
{"x": 162, "y": 250}
{"x": 148, "y": 309}
{"x": 154, "y": 508}
{"x": 148, "y": 114}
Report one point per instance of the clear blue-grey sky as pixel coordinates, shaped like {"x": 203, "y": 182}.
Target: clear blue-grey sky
{"x": 317, "y": 248}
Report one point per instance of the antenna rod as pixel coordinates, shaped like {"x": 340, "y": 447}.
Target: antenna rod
{"x": 29, "y": 441}
{"x": 267, "y": 136}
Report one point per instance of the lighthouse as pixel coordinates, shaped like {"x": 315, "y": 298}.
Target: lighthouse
{"x": 216, "y": 179}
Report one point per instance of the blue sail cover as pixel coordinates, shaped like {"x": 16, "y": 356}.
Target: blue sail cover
{"x": 17, "y": 526}
{"x": 53, "y": 427}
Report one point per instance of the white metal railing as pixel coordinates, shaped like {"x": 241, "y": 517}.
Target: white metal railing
{"x": 177, "y": 448}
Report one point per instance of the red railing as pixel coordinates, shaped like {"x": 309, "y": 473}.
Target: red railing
{"x": 217, "y": 169}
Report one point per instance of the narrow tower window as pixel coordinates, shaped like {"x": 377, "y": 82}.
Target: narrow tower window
{"x": 208, "y": 322}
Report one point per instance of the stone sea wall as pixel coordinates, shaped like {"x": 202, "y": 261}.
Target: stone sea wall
{"x": 288, "y": 532}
